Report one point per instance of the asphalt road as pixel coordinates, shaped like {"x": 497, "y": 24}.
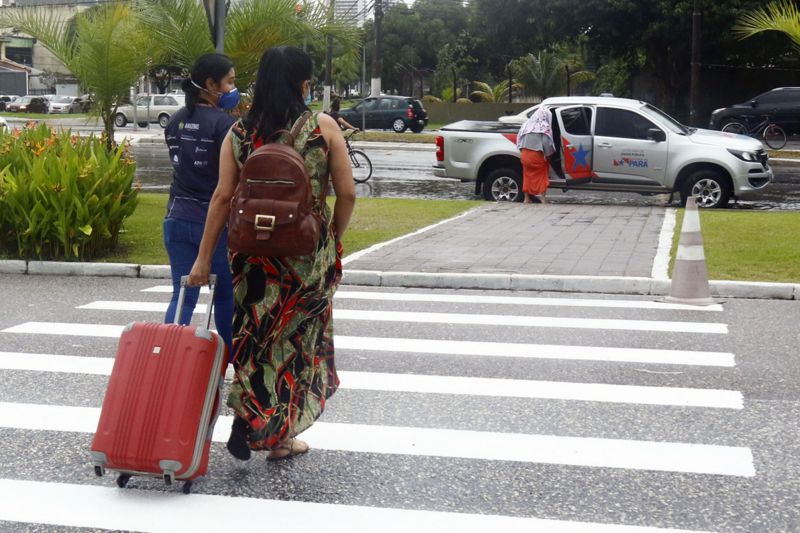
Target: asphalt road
{"x": 439, "y": 425}
{"x": 407, "y": 174}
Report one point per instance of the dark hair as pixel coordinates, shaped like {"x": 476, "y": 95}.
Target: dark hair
{"x": 278, "y": 93}
{"x": 336, "y": 104}
{"x": 214, "y": 66}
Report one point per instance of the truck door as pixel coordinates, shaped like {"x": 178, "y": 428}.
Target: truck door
{"x": 629, "y": 148}
{"x": 575, "y": 125}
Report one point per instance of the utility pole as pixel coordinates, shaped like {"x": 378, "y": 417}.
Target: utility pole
{"x": 694, "y": 91}
{"x": 215, "y": 12}
{"x": 376, "y": 53}
{"x": 326, "y": 99}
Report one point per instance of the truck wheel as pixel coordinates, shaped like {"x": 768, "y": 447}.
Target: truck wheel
{"x": 503, "y": 185}
{"x": 163, "y": 120}
{"x": 120, "y": 120}
{"x": 709, "y": 188}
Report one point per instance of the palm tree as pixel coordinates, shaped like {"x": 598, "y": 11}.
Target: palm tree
{"x": 179, "y": 29}
{"x": 548, "y": 73}
{"x": 104, "y": 49}
{"x": 487, "y": 93}
{"x": 782, "y": 16}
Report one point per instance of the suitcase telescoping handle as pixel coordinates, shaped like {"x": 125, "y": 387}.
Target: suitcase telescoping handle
{"x": 212, "y": 287}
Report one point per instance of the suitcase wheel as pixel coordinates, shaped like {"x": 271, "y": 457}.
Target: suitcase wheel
{"x": 122, "y": 480}
{"x": 99, "y": 471}
{"x": 187, "y": 487}
{"x": 169, "y": 477}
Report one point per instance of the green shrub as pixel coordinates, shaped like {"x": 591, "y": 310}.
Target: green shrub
{"x": 430, "y": 99}
{"x": 62, "y": 196}
{"x": 463, "y": 101}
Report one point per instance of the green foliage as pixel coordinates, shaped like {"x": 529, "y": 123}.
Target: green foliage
{"x": 62, "y": 196}
{"x": 179, "y": 31}
{"x": 463, "y": 101}
{"x": 104, "y": 48}
{"x": 487, "y": 93}
{"x": 547, "y": 73}
{"x": 431, "y": 99}
{"x": 781, "y": 15}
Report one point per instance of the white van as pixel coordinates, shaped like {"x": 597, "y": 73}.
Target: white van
{"x": 609, "y": 144}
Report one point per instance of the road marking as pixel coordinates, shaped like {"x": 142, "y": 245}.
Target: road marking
{"x": 535, "y": 351}
{"x": 87, "y": 506}
{"x": 661, "y": 260}
{"x": 436, "y": 346}
{"x": 501, "y": 300}
{"x": 462, "y": 444}
{"x": 456, "y": 385}
{"x": 105, "y": 330}
{"x": 531, "y": 321}
{"x": 155, "y": 307}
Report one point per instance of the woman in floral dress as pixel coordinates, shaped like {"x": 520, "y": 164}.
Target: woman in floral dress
{"x": 282, "y": 328}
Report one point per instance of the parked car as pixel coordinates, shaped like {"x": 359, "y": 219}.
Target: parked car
{"x": 609, "y": 144}
{"x": 520, "y": 118}
{"x": 781, "y": 104}
{"x": 64, "y": 104}
{"x": 84, "y": 103}
{"x": 5, "y": 99}
{"x": 28, "y": 104}
{"x": 150, "y": 108}
{"x": 397, "y": 113}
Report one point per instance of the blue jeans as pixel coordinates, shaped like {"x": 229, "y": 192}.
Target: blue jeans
{"x": 182, "y": 241}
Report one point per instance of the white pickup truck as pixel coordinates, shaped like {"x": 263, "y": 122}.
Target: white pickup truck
{"x": 609, "y": 144}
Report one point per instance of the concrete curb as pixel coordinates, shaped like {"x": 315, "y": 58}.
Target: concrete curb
{"x": 442, "y": 280}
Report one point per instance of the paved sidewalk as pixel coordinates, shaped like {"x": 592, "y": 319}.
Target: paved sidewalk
{"x": 552, "y": 239}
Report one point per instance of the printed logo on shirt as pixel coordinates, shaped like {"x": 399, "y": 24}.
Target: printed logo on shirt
{"x": 200, "y": 150}
{"x": 204, "y": 140}
{"x": 190, "y": 126}
{"x": 201, "y": 164}
{"x": 175, "y": 159}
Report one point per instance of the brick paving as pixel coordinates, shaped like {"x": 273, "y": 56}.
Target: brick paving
{"x": 556, "y": 239}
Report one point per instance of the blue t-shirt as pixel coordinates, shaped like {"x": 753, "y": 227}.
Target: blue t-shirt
{"x": 194, "y": 141}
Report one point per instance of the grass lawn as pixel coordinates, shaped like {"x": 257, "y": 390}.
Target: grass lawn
{"x": 374, "y": 220}
{"x": 749, "y": 245}
{"x": 42, "y": 116}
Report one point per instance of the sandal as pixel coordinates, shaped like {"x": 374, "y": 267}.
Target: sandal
{"x": 288, "y": 450}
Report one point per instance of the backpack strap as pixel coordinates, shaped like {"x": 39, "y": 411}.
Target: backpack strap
{"x": 298, "y": 127}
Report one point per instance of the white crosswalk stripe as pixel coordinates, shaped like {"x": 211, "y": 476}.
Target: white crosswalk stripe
{"x": 160, "y": 512}
{"x": 378, "y": 381}
{"x": 145, "y": 510}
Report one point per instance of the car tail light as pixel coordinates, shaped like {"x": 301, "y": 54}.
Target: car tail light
{"x": 409, "y": 112}
{"x": 439, "y": 148}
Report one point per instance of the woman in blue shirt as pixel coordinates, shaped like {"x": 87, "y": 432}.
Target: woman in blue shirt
{"x": 194, "y": 137}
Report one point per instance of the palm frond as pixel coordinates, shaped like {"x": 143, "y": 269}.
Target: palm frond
{"x": 46, "y": 26}
{"x": 781, "y": 15}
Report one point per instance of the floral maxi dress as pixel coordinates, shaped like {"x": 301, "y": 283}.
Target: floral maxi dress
{"x": 282, "y": 324}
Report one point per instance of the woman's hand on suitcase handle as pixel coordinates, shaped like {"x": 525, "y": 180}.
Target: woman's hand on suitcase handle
{"x": 199, "y": 274}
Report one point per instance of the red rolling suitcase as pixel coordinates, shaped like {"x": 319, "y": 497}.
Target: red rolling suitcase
{"x": 162, "y": 401}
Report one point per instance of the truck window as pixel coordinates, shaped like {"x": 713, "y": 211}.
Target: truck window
{"x": 577, "y": 120}
{"x": 621, "y": 123}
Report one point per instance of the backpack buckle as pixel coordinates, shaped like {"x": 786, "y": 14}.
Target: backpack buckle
{"x": 265, "y": 222}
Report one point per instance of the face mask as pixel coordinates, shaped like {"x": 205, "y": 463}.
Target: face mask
{"x": 228, "y": 100}
{"x": 308, "y": 99}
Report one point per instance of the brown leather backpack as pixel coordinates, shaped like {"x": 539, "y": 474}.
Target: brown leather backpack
{"x": 272, "y": 209}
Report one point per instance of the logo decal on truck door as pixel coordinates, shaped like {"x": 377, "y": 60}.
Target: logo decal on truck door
{"x": 577, "y": 161}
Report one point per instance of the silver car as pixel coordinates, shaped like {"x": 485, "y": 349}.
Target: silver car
{"x": 64, "y": 104}
{"x": 157, "y": 108}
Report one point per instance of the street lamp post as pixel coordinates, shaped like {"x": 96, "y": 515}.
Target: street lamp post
{"x": 694, "y": 89}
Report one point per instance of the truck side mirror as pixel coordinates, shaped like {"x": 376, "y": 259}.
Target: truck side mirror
{"x": 753, "y": 103}
{"x": 657, "y": 135}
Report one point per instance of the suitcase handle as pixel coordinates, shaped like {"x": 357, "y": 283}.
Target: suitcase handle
{"x": 212, "y": 287}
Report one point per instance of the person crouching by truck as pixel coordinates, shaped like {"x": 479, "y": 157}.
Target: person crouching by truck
{"x": 535, "y": 143}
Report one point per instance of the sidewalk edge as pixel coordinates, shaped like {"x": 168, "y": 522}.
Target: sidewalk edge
{"x": 442, "y": 280}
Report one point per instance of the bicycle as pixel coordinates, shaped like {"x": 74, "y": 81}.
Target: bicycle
{"x": 773, "y": 135}
{"x": 362, "y": 166}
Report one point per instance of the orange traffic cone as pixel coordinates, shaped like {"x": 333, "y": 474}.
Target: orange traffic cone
{"x": 690, "y": 275}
